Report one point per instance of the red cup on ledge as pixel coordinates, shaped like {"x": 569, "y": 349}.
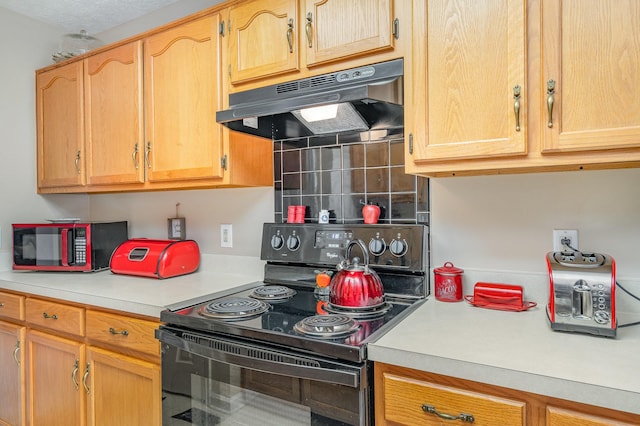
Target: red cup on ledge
{"x": 295, "y": 214}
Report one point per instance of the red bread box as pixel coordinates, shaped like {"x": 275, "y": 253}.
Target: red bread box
{"x": 155, "y": 258}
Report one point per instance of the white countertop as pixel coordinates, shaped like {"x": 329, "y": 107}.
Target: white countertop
{"x": 517, "y": 350}
{"x": 138, "y": 295}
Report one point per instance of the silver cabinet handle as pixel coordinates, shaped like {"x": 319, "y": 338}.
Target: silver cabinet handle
{"x": 47, "y": 316}
{"x": 84, "y": 379}
{"x": 551, "y": 89}
{"x": 516, "y": 106}
{"x": 77, "y": 162}
{"x": 134, "y": 156}
{"x": 15, "y": 353}
{"x": 114, "y": 331}
{"x": 462, "y": 416}
{"x": 290, "y": 35}
{"x": 74, "y": 374}
{"x": 146, "y": 155}
{"x": 307, "y": 28}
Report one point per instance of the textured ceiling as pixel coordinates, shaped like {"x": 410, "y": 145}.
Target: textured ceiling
{"x": 94, "y": 16}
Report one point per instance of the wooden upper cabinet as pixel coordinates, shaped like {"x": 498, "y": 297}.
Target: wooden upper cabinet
{"x": 60, "y": 126}
{"x": 114, "y": 121}
{"x": 182, "y": 94}
{"x": 336, "y": 29}
{"x": 263, "y": 39}
{"x": 591, "y": 51}
{"x": 467, "y": 95}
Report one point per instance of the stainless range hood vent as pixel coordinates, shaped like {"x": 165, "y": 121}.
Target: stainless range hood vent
{"x": 357, "y": 99}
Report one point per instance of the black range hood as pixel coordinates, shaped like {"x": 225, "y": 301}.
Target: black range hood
{"x": 358, "y": 99}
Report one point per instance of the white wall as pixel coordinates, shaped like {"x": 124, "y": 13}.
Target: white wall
{"x": 506, "y": 222}
{"x": 246, "y": 209}
{"x": 26, "y": 46}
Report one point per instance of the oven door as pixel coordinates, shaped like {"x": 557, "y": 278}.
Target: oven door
{"x": 211, "y": 380}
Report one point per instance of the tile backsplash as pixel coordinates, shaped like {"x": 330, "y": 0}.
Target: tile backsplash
{"x": 341, "y": 172}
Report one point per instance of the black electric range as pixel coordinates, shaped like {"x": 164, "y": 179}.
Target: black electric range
{"x": 295, "y": 253}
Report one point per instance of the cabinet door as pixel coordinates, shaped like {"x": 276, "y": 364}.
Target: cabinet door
{"x": 114, "y": 122}
{"x": 12, "y": 365}
{"x": 263, "y": 39}
{"x": 335, "y": 29}
{"x": 56, "y": 396}
{"x": 562, "y": 417}
{"x": 591, "y": 51}
{"x": 59, "y": 120}
{"x": 182, "y": 95}
{"x": 468, "y": 64}
{"x": 122, "y": 390}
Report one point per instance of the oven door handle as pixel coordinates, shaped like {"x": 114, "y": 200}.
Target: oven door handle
{"x": 267, "y": 361}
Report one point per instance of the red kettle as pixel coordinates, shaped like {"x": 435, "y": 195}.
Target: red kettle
{"x": 356, "y": 285}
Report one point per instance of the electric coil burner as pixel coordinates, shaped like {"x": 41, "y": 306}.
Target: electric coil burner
{"x": 327, "y": 326}
{"x": 277, "y": 348}
{"x": 368, "y": 312}
{"x": 234, "y": 308}
{"x": 272, "y": 293}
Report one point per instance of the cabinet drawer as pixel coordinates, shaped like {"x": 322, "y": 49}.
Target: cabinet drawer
{"x": 56, "y": 316}
{"x": 12, "y": 306}
{"x": 404, "y": 399}
{"x": 129, "y": 333}
{"x": 562, "y": 417}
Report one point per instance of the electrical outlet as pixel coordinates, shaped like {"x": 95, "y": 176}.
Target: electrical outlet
{"x": 565, "y": 239}
{"x": 226, "y": 235}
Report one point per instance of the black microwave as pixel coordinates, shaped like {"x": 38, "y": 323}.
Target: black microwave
{"x": 66, "y": 246}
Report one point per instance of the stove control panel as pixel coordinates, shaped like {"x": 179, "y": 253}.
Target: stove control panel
{"x": 388, "y": 246}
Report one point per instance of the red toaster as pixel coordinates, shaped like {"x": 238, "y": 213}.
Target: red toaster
{"x": 155, "y": 258}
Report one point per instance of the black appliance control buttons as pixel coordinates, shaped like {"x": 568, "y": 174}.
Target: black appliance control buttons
{"x": 277, "y": 242}
{"x": 398, "y": 247}
{"x": 377, "y": 246}
{"x": 293, "y": 242}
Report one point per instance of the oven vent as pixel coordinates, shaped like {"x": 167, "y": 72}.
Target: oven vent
{"x": 249, "y": 351}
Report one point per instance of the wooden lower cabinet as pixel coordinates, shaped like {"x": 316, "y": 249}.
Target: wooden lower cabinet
{"x": 54, "y": 375}
{"x": 563, "y": 417}
{"x": 122, "y": 390}
{"x": 405, "y": 396}
{"x": 409, "y": 401}
{"x": 12, "y": 381}
{"x": 65, "y": 364}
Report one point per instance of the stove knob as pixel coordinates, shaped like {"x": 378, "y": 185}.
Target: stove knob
{"x": 398, "y": 247}
{"x": 293, "y": 242}
{"x": 377, "y": 246}
{"x": 277, "y": 242}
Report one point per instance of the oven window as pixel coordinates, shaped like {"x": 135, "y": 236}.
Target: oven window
{"x": 201, "y": 391}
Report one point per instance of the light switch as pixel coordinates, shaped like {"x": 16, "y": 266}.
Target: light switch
{"x": 226, "y": 235}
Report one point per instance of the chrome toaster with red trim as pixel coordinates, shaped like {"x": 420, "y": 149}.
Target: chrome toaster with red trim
{"x": 582, "y": 293}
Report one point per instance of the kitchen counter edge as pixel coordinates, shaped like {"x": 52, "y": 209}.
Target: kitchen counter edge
{"x": 516, "y": 350}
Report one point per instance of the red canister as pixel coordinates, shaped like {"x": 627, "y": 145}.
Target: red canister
{"x": 448, "y": 283}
